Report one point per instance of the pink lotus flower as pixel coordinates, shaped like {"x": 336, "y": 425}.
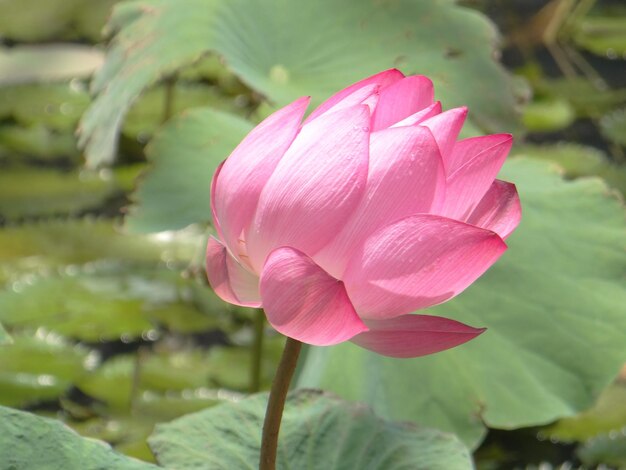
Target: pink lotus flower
{"x": 341, "y": 225}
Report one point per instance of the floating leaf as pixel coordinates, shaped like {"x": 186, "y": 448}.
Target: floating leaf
{"x": 43, "y": 247}
{"x": 581, "y": 94}
{"x": 548, "y": 115}
{"x": 56, "y": 106}
{"x": 553, "y": 306}
{"x": 38, "y": 368}
{"x": 184, "y": 155}
{"x": 602, "y": 35}
{"x": 606, "y": 416}
{"x": 123, "y": 380}
{"x": 613, "y": 126}
{"x": 120, "y": 431}
{"x": 74, "y": 307}
{"x": 34, "y": 20}
{"x": 129, "y": 433}
{"x": 275, "y": 55}
{"x": 318, "y": 431}
{"x": 38, "y": 141}
{"x": 212, "y": 68}
{"x": 146, "y": 115}
{"x": 57, "y": 193}
{"x": 47, "y": 62}
{"x": 172, "y": 405}
{"x": 90, "y": 17}
{"x": 29, "y": 442}
{"x": 112, "y": 383}
{"x": 104, "y": 304}
{"x": 4, "y": 336}
{"x": 607, "y": 450}
{"x": 577, "y": 161}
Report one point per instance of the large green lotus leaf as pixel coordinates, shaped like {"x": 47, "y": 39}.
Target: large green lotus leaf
{"x": 30, "y": 442}
{"x": 318, "y": 431}
{"x": 175, "y": 192}
{"x": 554, "y": 309}
{"x": 289, "y": 49}
{"x": 38, "y": 368}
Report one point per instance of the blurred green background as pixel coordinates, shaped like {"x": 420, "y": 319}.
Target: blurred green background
{"x": 113, "y": 326}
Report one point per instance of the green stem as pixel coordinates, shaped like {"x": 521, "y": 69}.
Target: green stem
{"x": 276, "y": 403}
{"x": 257, "y": 351}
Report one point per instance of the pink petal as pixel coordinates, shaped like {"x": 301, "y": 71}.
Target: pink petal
{"x": 467, "y": 149}
{"x": 469, "y": 183}
{"x": 499, "y": 210}
{"x": 381, "y": 80}
{"x": 303, "y": 302}
{"x": 367, "y": 94}
{"x": 405, "y": 177}
{"x": 317, "y": 185}
{"x": 446, "y": 127}
{"x": 418, "y": 262}
{"x": 238, "y": 184}
{"x": 216, "y": 222}
{"x": 401, "y": 99}
{"x": 230, "y": 281}
{"x": 420, "y": 116}
{"x": 414, "y": 335}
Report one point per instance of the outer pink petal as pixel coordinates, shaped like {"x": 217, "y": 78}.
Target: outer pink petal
{"x": 230, "y": 281}
{"x": 317, "y": 185}
{"x": 367, "y": 94}
{"x": 446, "y": 127}
{"x": 499, "y": 210}
{"x": 418, "y": 262}
{"x": 238, "y": 184}
{"x": 420, "y": 116}
{"x": 305, "y": 303}
{"x": 467, "y": 149}
{"x": 400, "y": 100}
{"x": 381, "y": 80}
{"x": 414, "y": 335}
{"x": 469, "y": 183}
{"x": 216, "y": 222}
{"x": 405, "y": 177}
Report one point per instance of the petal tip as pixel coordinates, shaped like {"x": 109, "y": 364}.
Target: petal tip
{"x": 409, "y": 336}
